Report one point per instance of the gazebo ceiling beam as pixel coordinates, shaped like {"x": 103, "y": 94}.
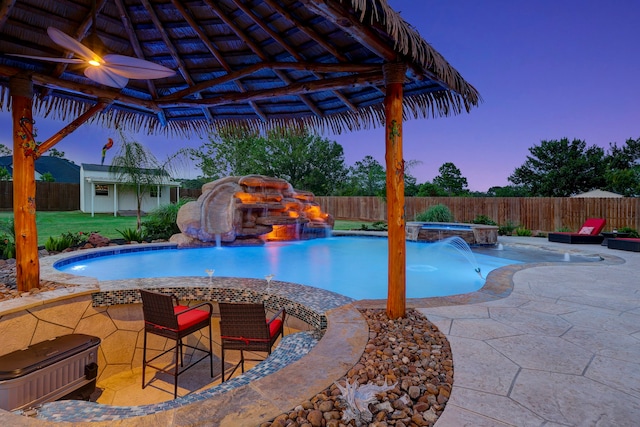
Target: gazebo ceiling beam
{"x": 282, "y": 42}
{"x": 367, "y": 79}
{"x": 71, "y": 127}
{"x": 256, "y": 49}
{"x": 365, "y": 35}
{"x": 5, "y": 8}
{"x": 81, "y": 33}
{"x": 133, "y": 39}
{"x": 307, "y": 30}
{"x": 214, "y": 51}
{"x": 254, "y": 68}
{"x": 173, "y": 52}
{"x": 91, "y": 92}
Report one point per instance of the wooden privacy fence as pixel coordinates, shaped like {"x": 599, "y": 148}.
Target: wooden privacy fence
{"x": 50, "y": 196}
{"x": 534, "y": 213}
{"x": 58, "y": 196}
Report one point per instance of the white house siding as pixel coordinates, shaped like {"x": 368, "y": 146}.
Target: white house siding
{"x": 120, "y": 197}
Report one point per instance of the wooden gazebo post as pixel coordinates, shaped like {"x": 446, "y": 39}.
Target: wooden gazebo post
{"x": 394, "y": 76}
{"x": 24, "y": 184}
{"x": 25, "y": 153}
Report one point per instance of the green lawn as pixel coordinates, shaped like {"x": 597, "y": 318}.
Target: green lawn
{"x": 57, "y": 223}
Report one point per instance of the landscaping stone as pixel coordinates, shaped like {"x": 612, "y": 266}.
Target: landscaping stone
{"x": 399, "y": 351}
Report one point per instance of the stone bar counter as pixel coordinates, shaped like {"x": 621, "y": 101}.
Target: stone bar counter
{"x": 332, "y": 338}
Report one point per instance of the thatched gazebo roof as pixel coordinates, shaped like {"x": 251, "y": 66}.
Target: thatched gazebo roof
{"x": 262, "y": 62}
{"x": 333, "y": 65}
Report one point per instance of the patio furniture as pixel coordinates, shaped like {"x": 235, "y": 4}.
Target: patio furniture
{"x": 589, "y": 233}
{"x": 164, "y": 316}
{"x": 612, "y": 235}
{"x": 625, "y": 244}
{"x": 245, "y": 327}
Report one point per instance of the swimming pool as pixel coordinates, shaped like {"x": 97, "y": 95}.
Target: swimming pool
{"x": 352, "y": 266}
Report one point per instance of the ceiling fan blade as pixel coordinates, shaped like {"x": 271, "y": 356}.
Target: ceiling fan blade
{"x": 135, "y": 68}
{"x": 73, "y": 45}
{"x": 50, "y": 59}
{"x": 103, "y": 75}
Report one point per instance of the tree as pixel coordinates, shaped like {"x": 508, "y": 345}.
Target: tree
{"x": 429, "y": 189}
{"x": 451, "y": 180}
{"x": 4, "y": 150}
{"x": 306, "y": 161}
{"x": 366, "y": 177}
{"x": 623, "y": 168}
{"x": 4, "y": 174}
{"x": 508, "y": 191}
{"x": 139, "y": 169}
{"x": 559, "y": 168}
{"x": 411, "y": 186}
{"x": 229, "y": 152}
{"x": 53, "y": 152}
{"x": 47, "y": 177}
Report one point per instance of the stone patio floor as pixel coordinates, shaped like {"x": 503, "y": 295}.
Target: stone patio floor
{"x": 563, "y": 349}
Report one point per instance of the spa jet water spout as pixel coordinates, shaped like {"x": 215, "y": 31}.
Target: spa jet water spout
{"x": 460, "y": 245}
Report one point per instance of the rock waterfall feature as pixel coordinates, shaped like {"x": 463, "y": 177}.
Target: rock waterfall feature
{"x": 250, "y": 210}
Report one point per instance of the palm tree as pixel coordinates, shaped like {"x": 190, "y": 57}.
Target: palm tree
{"x": 137, "y": 168}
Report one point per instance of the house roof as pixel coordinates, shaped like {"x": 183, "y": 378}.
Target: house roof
{"x": 62, "y": 170}
{"x": 261, "y": 63}
{"x": 112, "y": 178}
{"x": 598, "y": 193}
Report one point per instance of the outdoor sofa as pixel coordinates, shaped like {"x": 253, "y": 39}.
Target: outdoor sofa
{"x": 625, "y": 244}
{"x": 589, "y": 233}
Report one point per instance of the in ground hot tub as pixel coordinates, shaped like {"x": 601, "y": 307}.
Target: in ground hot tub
{"x": 473, "y": 234}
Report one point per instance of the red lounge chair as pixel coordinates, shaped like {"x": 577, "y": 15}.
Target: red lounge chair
{"x": 588, "y": 233}
{"x": 625, "y": 244}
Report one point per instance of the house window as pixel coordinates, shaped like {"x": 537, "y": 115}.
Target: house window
{"x": 155, "y": 192}
{"x": 102, "y": 190}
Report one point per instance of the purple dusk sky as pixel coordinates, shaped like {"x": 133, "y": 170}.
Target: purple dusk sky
{"x": 546, "y": 69}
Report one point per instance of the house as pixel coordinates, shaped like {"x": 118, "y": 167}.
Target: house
{"x": 102, "y": 192}
{"x": 598, "y": 193}
{"x": 62, "y": 170}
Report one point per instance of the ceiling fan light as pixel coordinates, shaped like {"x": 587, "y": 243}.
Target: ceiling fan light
{"x": 94, "y": 62}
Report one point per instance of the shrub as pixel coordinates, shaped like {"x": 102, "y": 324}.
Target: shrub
{"x": 436, "y": 213}
{"x": 524, "y": 232}
{"x": 565, "y": 230}
{"x": 7, "y": 239}
{"x": 483, "y": 219}
{"x": 632, "y": 231}
{"x": 131, "y": 234}
{"x": 506, "y": 229}
{"x": 66, "y": 240}
{"x": 57, "y": 244}
{"x": 376, "y": 226}
{"x": 161, "y": 223}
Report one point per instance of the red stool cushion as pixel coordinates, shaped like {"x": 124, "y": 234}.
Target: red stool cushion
{"x": 274, "y": 327}
{"x": 189, "y": 318}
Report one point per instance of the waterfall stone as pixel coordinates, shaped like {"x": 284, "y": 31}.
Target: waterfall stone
{"x": 250, "y": 210}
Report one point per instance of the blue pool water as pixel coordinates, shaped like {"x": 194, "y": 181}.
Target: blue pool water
{"x": 352, "y": 266}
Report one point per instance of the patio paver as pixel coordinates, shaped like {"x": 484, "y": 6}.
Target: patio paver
{"x": 563, "y": 349}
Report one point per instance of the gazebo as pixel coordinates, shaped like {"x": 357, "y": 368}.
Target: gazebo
{"x": 330, "y": 65}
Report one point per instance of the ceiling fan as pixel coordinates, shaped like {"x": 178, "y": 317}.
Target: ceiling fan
{"x": 111, "y": 69}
